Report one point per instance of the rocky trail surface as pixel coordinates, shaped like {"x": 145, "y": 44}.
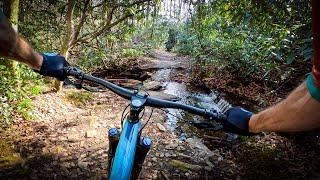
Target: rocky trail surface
{"x": 67, "y": 138}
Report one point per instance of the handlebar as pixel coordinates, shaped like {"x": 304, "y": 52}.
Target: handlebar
{"x": 151, "y": 101}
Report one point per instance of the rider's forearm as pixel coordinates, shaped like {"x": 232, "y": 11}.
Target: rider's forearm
{"x": 298, "y": 112}
{"x": 15, "y": 47}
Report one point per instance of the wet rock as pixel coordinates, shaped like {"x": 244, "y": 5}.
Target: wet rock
{"x": 196, "y": 142}
{"x": 214, "y": 156}
{"x": 183, "y": 137}
{"x": 162, "y": 95}
{"x": 161, "y": 127}
{"x": 152, "y": 85}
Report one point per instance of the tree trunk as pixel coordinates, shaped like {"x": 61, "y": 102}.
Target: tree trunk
{"x": 11, "y": 10}
{"x": 67, "y": 40}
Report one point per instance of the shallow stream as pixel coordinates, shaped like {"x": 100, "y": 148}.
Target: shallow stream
{"x": 184, "y": 123}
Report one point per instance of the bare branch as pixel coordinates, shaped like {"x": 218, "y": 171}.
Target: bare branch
{"x": 82, "y": 20}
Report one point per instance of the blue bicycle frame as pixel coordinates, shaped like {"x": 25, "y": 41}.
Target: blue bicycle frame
{"x": 124, "y": 158}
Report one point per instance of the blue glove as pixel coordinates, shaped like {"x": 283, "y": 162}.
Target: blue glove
{"x": 237, "y": 121}
{"x": 53, "y": 65}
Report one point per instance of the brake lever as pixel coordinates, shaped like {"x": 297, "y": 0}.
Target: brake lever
{"x": 77, "y": 73}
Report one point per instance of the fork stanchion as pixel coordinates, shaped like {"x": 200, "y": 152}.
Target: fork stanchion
{"x": 113, "y": 136}
{"x": 142, "y": 150}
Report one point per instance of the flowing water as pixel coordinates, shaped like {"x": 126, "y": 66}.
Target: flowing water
{"x": 177, "y": 119}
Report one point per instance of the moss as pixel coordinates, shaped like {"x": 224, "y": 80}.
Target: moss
{"x": 261, "y": 161}
{"x": 79, "y": 98}
{"x": 8, "y": 157}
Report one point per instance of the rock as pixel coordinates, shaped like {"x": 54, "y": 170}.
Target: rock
{"x": 180, "y": 148}
{"x": 165, "y": 176}
{"x": 92, "y": 121}
{"x": 91, "y": 133}
{"x": 72, "y": 138}
{"x": 128, "y": 83}
{"x": 149, "y": 164}
{"x": 161, "y": 127}
{"x": 167, "y": 154}
{"x": 196, "y": 142}
{"x": 183, "y": 137}
{"x": 161, "y": 155}
{"x": 152, "y": 85}
{"x": 214, "y": 156}
{"x": 171, "y": 146}
{"x": 162, "y": 95}
{"x": 83, "y": 165}
{"x": 154, "y": 159}
{"x": 209, "y": 164}
{"x": 208, "y": 168}
{"x": 184, "y": 156}
{"x": 184, "y": 166}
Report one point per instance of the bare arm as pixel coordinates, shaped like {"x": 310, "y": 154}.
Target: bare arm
{"x": 298, "y": 112}
{"x": 15, "y": 47}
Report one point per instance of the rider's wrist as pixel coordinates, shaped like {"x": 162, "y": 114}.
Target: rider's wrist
{"x": 312, "y": 88}
{"x": 38, "y": 62}
{"x": 253, "y": 128}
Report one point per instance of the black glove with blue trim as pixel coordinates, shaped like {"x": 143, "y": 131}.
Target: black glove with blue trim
{"x": 53, "y": 65}
{"x": 237, "y": 121}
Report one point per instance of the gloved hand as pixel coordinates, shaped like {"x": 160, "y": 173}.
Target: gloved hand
{"x": 53, "y": 65}
{"x": 237, "y": 121}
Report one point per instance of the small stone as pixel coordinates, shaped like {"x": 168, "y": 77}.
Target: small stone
{"x": 91, "y": 133}
{"x": 167, "y": 155}
{"x": 180, "y": 148}
{"x": 154, "y": 131}
{"x": 72, "y": 138}
{"x": 83, "y": 165}
{"x": 208, "y": 168}
{"x": 171, "y": 146}
{"x": 149, "y": 164}
{"x": 161, "y": 127}
{"x": 154, "y": 159}
{"x": 161, "y": 155}
{"x": 173, "y": 155}
{"x": 209, "y": 163}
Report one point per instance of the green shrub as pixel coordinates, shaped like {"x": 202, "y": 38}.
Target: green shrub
{"x": 130, "y": 52}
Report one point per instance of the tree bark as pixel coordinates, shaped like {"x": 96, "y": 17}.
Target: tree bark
{"x": 11, "y": 10}
{"x": 68, "y": 38}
